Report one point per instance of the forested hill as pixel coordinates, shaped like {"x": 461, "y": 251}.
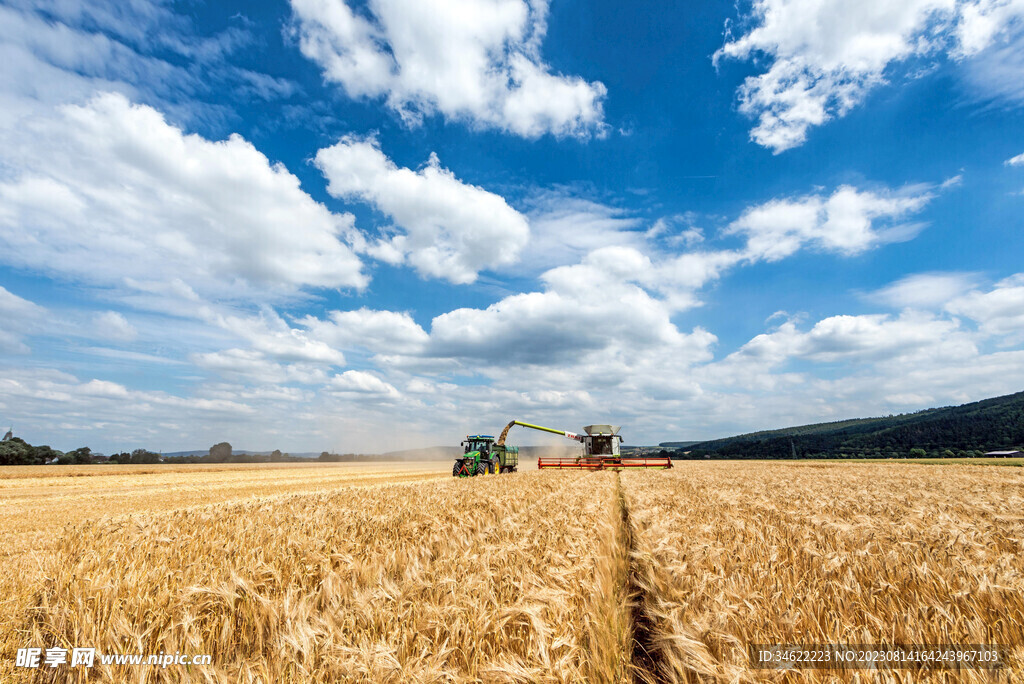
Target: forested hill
{"x": 977, "y": 427}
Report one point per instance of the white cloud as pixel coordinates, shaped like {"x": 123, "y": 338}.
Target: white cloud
{"x": 15, "y": 310}
{"x": 825, "y": 56}
{"x": 678, "y": 278}
{"x": 564, "y": 227}
{"x": 1015, "y": 161}
{"x": 103, "y": 388}
{"x": 584, "y": 307}
{"x": 599, "y": 336}
{"x": 450, "y": 229}
{"x": 475, "y": 60}
{"x": 56, "y": 52}
{"x": 110, "y": 191}
{"x": 925, "y": 290}
{"x": 678, "y": 230}
{"x": 270, "y": 334}
{"x": 876, "y": 337}
{"x": 124, "y": 356}
{"x": 982, "y": 22}
{"x": 618, "y": 292}
{"x": 20, "y": 317}
{"x": 362, "y": 382}
{"x": 376, "y": 331}
{"x": 113, "y": 325}
{"x": 49, "y": 62}
{"x": 844, "y": 222}
{"x": 45, "y": 402}
{"x": 136, "y": 22}
{"x": 849, "y": 222}
{"x": 998, "y": 312}
{"x": 997, "y": 73}
{"x": 252, "y": 366}
{"x": 837, "y": 338}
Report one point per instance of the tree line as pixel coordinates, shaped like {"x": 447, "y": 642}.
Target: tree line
{"x": 16, "y": 451}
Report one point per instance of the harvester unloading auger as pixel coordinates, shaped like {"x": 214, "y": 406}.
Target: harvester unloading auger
{"x": 600, "y": 449}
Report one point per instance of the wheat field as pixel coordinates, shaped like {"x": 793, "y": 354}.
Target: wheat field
{"x": 399, "y": 574}
{"x": 734, "y": 554}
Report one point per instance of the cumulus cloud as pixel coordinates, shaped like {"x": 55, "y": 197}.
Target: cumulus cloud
{"x": 271, "y": 335}
{"x": 378, "y": 331}
{"x": 620, "y": 292}
{"x": 1015, "y": 161}
{"x": 998, "y": 312}
{"x": 474, "y": 60}
{"x": 362, "y": 382}
{"x": 982, "y": 22}
{"x": 855, "y": 338}
{"x": 826, "y": 56}
{"x": 846, "y": 222}
{"x": 448, "y": 229}
{"x": 110, "y": 191}
{"x": 584, "y": 307}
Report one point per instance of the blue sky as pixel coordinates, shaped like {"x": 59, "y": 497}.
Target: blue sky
{"x": 364, "y": 226}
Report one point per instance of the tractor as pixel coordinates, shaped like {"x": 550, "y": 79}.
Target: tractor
{"x": 481, "y": 456}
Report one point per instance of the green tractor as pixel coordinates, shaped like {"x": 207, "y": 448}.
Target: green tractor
{"x": 481, "y": 456}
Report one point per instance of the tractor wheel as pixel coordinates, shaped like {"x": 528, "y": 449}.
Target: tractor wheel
{"x": 493, "y": 466}
{"x": 457, "y": 469}
{"x": 481, "y": 468}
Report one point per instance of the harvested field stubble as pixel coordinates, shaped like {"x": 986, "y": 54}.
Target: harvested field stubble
{"x": 494, "y": 579}
{"x": 733, "y": 554}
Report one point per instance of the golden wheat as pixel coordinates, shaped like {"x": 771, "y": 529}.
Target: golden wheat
{"x": 38, "y": 503}
{"x": 733, "y": 554}
{"x": 492, "y": 578}
{"x": 533, "y": 577}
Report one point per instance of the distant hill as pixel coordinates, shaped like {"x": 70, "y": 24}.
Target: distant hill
{"x": 677, "y": 445}
{"x": 980, "y": 426}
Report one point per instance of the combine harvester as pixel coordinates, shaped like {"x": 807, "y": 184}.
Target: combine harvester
{"x": 600, "y": 449}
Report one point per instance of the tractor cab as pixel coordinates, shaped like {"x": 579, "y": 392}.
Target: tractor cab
{"x": 481, "y": 443}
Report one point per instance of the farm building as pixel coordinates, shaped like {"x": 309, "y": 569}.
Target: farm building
{"x": 1004, "y": 454}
